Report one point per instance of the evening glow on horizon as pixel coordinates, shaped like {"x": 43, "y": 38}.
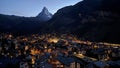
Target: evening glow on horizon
{"x": 32, "y": 7}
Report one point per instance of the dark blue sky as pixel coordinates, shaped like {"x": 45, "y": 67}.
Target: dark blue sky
{"x": 32, "y": 7}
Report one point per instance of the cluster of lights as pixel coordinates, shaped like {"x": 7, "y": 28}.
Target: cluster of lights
{"x": 54, "y": 40}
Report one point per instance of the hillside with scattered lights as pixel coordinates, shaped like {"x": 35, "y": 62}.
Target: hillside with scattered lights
{"x": 55, "y": 50}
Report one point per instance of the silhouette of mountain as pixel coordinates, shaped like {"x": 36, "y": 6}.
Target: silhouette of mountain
{"x": 45, "y": 15}
{"x": 94, "y": 20}
{"x": 12, "y": 23}
{"x": 19, "y": 24}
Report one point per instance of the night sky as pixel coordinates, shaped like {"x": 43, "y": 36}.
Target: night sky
{"x": 32, "y": 7}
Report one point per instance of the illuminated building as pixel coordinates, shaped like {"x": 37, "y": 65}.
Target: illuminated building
{"x": 54, "y": 40}
{"x": 26, "y": 47}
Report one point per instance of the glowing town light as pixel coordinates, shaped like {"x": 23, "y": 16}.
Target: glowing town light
{"x": 10, "y": 36}
{"x": 33, "y": 61}
{"x": 54, "y": 40}
{"x": 32, "y": 51}
{"x": 26, "y": 47}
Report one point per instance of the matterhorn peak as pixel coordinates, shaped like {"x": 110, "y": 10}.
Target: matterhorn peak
{"x": 44, "y": 9}
{"x": 44, "y": 15}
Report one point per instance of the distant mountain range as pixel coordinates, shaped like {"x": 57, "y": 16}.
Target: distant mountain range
{"x": 18, "y": 24}
{"x": 94, "y": 20}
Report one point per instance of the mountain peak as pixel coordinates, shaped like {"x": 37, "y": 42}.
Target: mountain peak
{"x": 45, "y": 10}
{"x": 44, "y": 15}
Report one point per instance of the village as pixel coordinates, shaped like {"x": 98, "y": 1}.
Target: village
{"x": 54, "y": 51}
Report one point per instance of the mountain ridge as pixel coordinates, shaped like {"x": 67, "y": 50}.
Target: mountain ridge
{"x": 94, "y": 20}
{"x": 20, "y": 24}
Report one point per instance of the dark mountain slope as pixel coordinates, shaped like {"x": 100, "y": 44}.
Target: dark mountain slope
{"x": 19, "y": 24}
{"x": 95, "y": 20}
